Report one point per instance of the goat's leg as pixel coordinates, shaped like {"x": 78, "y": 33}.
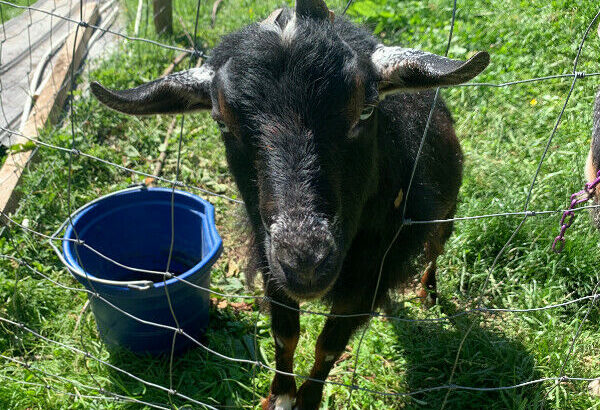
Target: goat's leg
{"x": 285, "y": 325}
{"x": 330, "y": 345}
{"x": 427, "y": 292}
{"x": 434, "y": 247}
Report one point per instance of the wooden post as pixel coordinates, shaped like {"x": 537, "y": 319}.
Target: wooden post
{"x": 163, "y": 16}
{"x": 46, "y": 108}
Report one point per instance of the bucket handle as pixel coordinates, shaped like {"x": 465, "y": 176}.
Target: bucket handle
{"x": 133, "y": 284}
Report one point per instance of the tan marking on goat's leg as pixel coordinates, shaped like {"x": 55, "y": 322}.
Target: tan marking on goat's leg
{"x": 283, "y": 387}
{"x": 427, "y": 291}
{"x": 285, "y": 326}
{"x": 284, "y": 353}
{"x": 330, "y": 345}
{"x": 309, "y": 394}
{"x": 434, "y": 247}
{"x": 428, "y": 284}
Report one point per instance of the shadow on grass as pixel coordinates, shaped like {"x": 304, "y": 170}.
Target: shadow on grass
{"x": 488, "y": 359}
{"x": 197, "y": 373}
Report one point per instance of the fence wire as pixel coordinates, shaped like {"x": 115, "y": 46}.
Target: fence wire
{"x": 59, "y": 385}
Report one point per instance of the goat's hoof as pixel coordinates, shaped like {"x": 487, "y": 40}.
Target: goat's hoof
{"x": 300, "y": 405}
{"x": 428, "y": 299}
{"x": 278, "y": 402}
{"x": 308, "y": 397}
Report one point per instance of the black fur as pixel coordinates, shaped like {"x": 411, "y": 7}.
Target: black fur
{"x": 353, "y": 179}
{"x": 320, "y": 183}
{"x": 295, "y": 156}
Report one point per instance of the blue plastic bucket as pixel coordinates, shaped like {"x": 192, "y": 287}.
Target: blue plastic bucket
{"x": 133, "y": 228}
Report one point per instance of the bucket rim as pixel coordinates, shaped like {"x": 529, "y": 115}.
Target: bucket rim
{"x": 70, "y": 261}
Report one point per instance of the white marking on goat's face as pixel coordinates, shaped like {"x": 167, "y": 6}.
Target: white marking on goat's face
{"x": 295, "y": 95}
{"x": 284, "y": 402}
{"x": 329, "y": 357}
{"x": 307, "y": 224}
{"x": 271, "y": 26}
{"x": 289, "y": 31}
{"x": 299, "y": 252}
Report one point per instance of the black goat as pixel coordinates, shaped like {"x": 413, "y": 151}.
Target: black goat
{"x": 321, "y": 159}
{"x": 592, "y": 165}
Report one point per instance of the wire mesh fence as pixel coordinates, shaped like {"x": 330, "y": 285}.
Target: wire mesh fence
{"x": 20, "y": 331}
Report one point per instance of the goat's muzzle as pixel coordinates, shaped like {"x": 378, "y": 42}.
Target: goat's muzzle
{"x": 303, "y": 255}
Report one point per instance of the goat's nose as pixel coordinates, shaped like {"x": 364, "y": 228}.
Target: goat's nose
{"x": 304, "y": 266}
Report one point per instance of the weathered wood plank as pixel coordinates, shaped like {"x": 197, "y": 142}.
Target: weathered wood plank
{"x": 47, "y": 107}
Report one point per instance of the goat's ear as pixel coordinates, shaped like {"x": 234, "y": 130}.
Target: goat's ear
{"x": 183, "y": 91}
{"x": 405, "y": 69}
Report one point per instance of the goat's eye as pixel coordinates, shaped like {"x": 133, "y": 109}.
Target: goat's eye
{"x": 224, "y": 129}
{"x": 367, "y": 112}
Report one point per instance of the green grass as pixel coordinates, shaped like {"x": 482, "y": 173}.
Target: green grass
{"x": 503, "y": 132}
{"x": 7, "y": 12}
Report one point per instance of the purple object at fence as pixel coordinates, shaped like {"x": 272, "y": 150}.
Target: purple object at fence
{"x": 577, "y": 198}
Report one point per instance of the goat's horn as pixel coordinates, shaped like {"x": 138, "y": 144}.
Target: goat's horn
{"x": 316, "y": 9}
{"x": 272, "y": 19}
